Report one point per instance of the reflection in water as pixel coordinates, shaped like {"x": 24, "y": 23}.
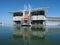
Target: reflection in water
{"x": 38, "y": 32}
{"x": 30, "y": 35}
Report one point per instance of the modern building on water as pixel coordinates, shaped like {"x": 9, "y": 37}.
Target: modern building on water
{"x": 30, "y": 17}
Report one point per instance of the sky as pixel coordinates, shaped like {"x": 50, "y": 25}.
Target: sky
{"x": 15, "y": 5}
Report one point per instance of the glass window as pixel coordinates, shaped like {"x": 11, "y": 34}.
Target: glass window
{"x": 17, "y": 14}
{"x": 42, "y": 13}
{"x": 37, "y": 13}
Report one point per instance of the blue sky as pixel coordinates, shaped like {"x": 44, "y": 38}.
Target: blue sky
{"x": 12, "y": 5}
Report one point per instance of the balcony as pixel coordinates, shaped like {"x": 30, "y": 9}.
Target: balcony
{"x": 17, "y": 18}
{"x": 39, "y": 17}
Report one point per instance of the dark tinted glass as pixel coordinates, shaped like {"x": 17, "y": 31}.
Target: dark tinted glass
{"x": 17, "y": 14}
{"x": 38, "y": 13}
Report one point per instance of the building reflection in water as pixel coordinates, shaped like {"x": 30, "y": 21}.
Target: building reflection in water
{"x": 30, "y": 35}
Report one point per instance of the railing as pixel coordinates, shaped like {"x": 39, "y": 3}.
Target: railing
{"x": 18, "y": 18}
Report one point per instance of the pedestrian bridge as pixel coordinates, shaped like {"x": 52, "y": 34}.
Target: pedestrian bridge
{"x": 53, "y": 18}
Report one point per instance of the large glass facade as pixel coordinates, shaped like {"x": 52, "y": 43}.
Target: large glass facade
{"x": 17, "y": 14}
{"x": 37, "y": 13}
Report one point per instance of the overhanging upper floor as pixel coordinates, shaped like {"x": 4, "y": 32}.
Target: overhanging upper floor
{"x": 36, "y": 11}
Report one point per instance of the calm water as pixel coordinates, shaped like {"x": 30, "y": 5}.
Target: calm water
{"x": 29, "y": 35}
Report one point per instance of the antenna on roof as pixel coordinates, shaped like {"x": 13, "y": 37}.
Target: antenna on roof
{"x": 29, "y": 6}
{"x": 25, "y": 7}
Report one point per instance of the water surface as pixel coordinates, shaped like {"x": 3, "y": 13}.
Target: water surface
{"x": 13, "y": 35}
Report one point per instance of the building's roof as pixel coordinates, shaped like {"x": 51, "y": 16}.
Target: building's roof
{"x": 38, "y": 9}
{"x": 35, "y": 9}
{"x": 20, "y": 11}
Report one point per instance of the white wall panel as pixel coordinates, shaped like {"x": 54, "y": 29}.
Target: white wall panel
{"x": 17, "y": 18}
{"x": 34, "y": 17}
{"x": 41, "y": 17}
